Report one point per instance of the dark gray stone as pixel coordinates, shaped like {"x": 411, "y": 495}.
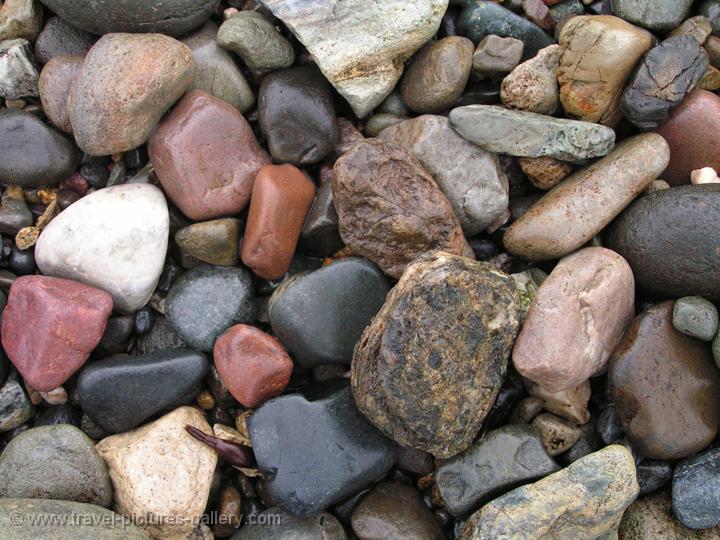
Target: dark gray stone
{"x": 14, "y": 212}
{"x": 115, "y": 337}
{"x": 276, "y": 524}
{"x": 609, "y": 426}
{"x": 320, "y": 236}
{"x": 696, "y": 490}
{"x": 655, "y": 15}
{"x": 653, "y": 474}
{"x": 711, "y": 10}
{"x": 15, "y": 407}
{"x": 569, "y": 8}
{"x": 67, "y": 413}
{"x": 161, "y": 336}
{"x": 588, "y": 443}
{"x": 61, "y": 38}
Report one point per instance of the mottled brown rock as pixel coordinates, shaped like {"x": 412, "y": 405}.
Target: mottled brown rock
{"x": 712, "y": 46}
{"x": 698, "y": 27}
{"x": 533, "y": 86}
{"x": 544, "y": 172}
{"x": 557, "y": 434}
{"x": 281, "y": 199}
{"x": 214, "y": 242}
{"x": 390, "y": 209}
{"x": 665, "y": 386}
{"x": 571, "y": 404}
{"x": 710, "y": 80}
{"x": 348, "y": 136}
{"x": 428, "y": 368}
{"x": 56, "y": 79}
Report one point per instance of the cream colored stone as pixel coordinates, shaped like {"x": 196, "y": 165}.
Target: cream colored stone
{"x": 706, "y": 175}
{"x": 571, "y": 404}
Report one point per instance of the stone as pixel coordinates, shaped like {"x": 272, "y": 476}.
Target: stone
{"x": 214, "y": 242}
{"x": 576, "y": 319}
{"x": 276, "y": 524}
{"x": 56, "y": 79}
{"x": 664, "y": 77}
{"x": 665, "y": 386}
{"x": 59, "y": 37}
{"x": 653, "y": 15}
{"x": 695, "y": 485}
{"x": 470, "y": 177}
{"x": 711, "y": 10}
{"x": 698, "y": 27}
{"x": 161, "y": 336}
{"x": 105, "y": 16}
{"x": 54, "y": 462}
{"x": 525, "y": 411}
{"x": 320, "y": 236}
{"x": 34, "y": 154}
{"x": 20, "y": 19}
{"x": 695, "y": 317}
{"x": 571, "y": 404}
{"x": 539, "y": 13}
{"x": 14, "y": 213}
{"x": 406, "y": 220}
{"x": 321, "y": 315}
{"x": 527, "y": 134}
{"x": 361, "y": 47}
{"x": 125, "y": 85}
{"x": 533, "y": 86}
{"x": 609, "y": 427}
{"x": 414, "y": 461}
{"x": 557, "y": 434}
{"x": 669, "y": 243}
{"x": 712, "y": 47}
{"x": 253, "y": 365}
{"x": 428, "y": 368}
{"x": 584, "y": 501}
{"x": 583, "y": 204}
{"x": 496, "y": 55}
{"x": 15, "y": 406}
{"x": 504, "y": 459}
{"x": 280, "y": 201}
{"x": 121, "y": 392}
{"x": 253, "y": 37}
{"x": 706, "y": 175}
{"x": 653, "y": 474}
{"x": 565, "y": 10}
{"x": 297, "y": 115}
{"x": 18, "y": 74}
{"x": 138, "y": 462}
{"x": 341, "y": 451}
{"x": 394, "y": 510}
{"x": 710, "y": 79}
{"x": 598, "y": 55}
{"x": 206, "y": 157}
{"x": 545, "y": 172}
{"x": 207, "y": 300}
{"x": 215, "y": 70}
{"x": 114, "y": 239}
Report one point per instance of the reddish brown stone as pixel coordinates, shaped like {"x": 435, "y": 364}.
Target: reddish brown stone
{"x": 206, "y": 157}
{"x": 539, "y": 13}
{"x": 253, "y": 365}
{"x": 689, "y": 133}
{"x": 281, "y": 199}
{"x": 50, "y": 326}
{"x": 56, "y": 79}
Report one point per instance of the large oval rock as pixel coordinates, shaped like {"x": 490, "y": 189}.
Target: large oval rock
{"x": 428, "y": 368}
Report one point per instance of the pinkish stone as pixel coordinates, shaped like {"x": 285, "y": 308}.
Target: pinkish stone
{"x": 50, "y": 326}
{"x": 577, "y": 317}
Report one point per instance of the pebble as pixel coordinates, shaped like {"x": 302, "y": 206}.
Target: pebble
{"x": 214, "y": 242}
{"x": 206, "y": 157}
{"x": 54, "y": 462}
{"x": 571, "y": 404}
{"x": 341, "y": 452}
{"x": 121, "y": 392}
{"x": 19, "y": 76}
{"x": 15, "y": 406}
{"x": 695, "y": 317}
{"x": 276, "y": 524}
{"x": 320, "y": 236}
{"x": 56, "y": 79}
{"x": 125, "y": 85}
{"x": 658, "y": 16}
{"x": 609, "y": 426}
{"x": 161, "y": 336}
{"x": 533, "y": 86}
{"x": 557, "y": 434}
{"x": 545, "y": 172}
{"x": 320, "y": 316}
{"x": 653, "y": 474}
{"x": 710, "y": 79}
{"x": 469, "y": 176}
{"x": 711, "y": 10}
{"x": 712, "y": 47}
{"x": 58, "y": 37}
{"x": 114, "y": 239}
{"x": 539, "y": 13}
{"x": 68, "y": 319}
{"x": 253, "y": 365}
{"x": 20, "y": 19}
{"x": 139, "y": 462}
{"x": 696, "y": 490}
{"x": 581, "y": 206}
{"x": 379, "y": 122}
{"x": 706, "y": 175}
{"x": 525, "y": 411}
{"x": 408, "y": 219}
{"x": 361, "y": 47}
{"x": 698, "y": 27}
{"x": 585, "y": 501}
{"x": 496, "y": 55}
{"x": 665, "y": 386}
{"x": 14, "y": 212}
{"x": 430, "y": 364}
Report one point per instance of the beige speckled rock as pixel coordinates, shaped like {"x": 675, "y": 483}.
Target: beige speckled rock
{"x": 56, "y": 79}
{"x": 533, "y": 86}
{"x": 545, "y": 172}
{"x": 571, "y": 404}
{"x": 160, "y": 470}
{"x": 20, "y": 19}
{"x": 557, "y": 434}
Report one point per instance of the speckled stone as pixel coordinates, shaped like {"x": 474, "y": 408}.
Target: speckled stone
{"x": 696, "y": 317}
{"x": 58, "y": 37}
{"x": 696, "y": 490}
{"x": 56, "y": 79}
{"x": 15, "y": 406}
{"x": 557, "y": 434}
{"x": 545, "y": 172}
{"x": 654, "y": 15}
{"x": 533, "y": 86}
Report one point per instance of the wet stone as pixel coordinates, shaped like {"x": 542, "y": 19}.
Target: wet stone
{"x": 320, "y": 236}
{"x": 214, "y": 242}
{"x": 695, "y": 317}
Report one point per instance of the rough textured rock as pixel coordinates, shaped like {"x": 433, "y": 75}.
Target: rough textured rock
{"x": 15, "y": 407}
{"x": 658, "y": 16}
{"x": 276, "y": 524}
{"x": 17, "y": 66}
{"x": 428, "y": 368}
{"x": 58, "y": 37}
{"x": 496, "y": 55}
{"x": 20, "y": 19}
{"x": 571, "y": 404}
{"x": 698, "y": 27}
{"x": 56, "y": 80}
{"x": 545, "y": 172}
{"x": 557, "y": 434}
{"x": 213, "y": 242}
{"x": 695, "y": 490}
{"x": 533, "y": 86}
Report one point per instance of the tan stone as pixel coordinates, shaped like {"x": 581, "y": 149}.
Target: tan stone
{"x": 711, "y": 79}
{"x": 698, "y": 27}
{"x": 571, "y": 404}
{"x": 557, "y": 434}
{"x": 533, "y": 86}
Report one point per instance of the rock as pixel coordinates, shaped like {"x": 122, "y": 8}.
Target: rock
{"x": 114, "y": 239}
{"x": 20, "y": 19}
{"x": 33, "y": 153}
{"x": 504, "y": 459}
{"x": 213, "y": 242}
{"x": 407, "y": 220}
{"x": 59, "y": 37}
{"x": 557, "y": 434}
{"x": 665, "y": 386}
{"x": 276, "y": 524}
{"x": 68, "y": 321}
{"x": 207, "y": 300}
{"x": 361, "y": 48}
{"x": 539, "y": 13}
{"x": 320, "y": 236}
{"x": 15, "y": 407}
{"x": 669, "y": 244}
{"x": 253, "y": 37}
{"x": 565, "y": 10}
{"x": 121, "y": 392}
{"x": 545, "y": 172}
{"x": 215, "y": 70}
{"x": 710, "y": 79}
{"x": 695, "y": 485}
{"x": 695, "y": 317}
{"x": 470, "y": 177}
{"x": 138, "y": 462}
{"x": 253, "y": 365}
{"x": 414, "y": 461}
{"x": 598, "y": 55}
{"x": 161, "y": 336}
{"x": 438, "y": 75}
{"x": 526, "y": 134}
{"x": 698, "y": 27}
{"x": 712, "y": 47}
{"x": 479, "y": 19}
{"x": 56, "y": 79}
{"x": 430, "y": 364}
{"x": 126, "y": 84}
{"x": 653, "y": 474}
{"x": 584, "y": 501}
{"x": 656, "y": 16}
{"x": 116, "y": 335}
{"x": 54, "y": 462}
{"x": 533, "y": 86}
{"x": 496, "y": 55}
{"x": 571, "y": 404}
{"x": 583, "y": 204}
{"x": 174, "y": 17}
{"x": 664, "y": 77}
{"x": 18, "y": 74}
{"x": 394, "y": 510}
{"x": 709, "y": 8}
{"x": 341, "y": 451}
{"x": 14, "y": 214}
{"x": 525, "y": 411}
{"x": 320, "y": 316}
{"x": 206, "y": 157}
{"x": 378, "y": 122}
{"x": 59, "y": 519}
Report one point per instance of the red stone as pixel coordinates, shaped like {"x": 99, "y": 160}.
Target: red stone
{"x": 50, "y": 326}
{"x": 253, "y": 365}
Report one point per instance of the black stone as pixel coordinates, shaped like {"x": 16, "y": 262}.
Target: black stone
{"x": 300, "y": 263}
{"x": 171, "y": 271}
{"x": 653, "y": 474}
{"x": 14, "y": 214}
{"x": 92, "y": 429}
{"x": 162, "y": 336}
{"x": 61, "y": 38}
{"x": 4, "y": 361}
{"x": 66, "y": 197}
{"x": 483, "y": 248}
{"x": 609, "y": 426}
{"x": 480, "y": 93}
{"x": 510, "y": 394}
{"x": 696, "y": 490}
{"x": 344, "y": 510}
{"x": 66, "y": 413}
{"x": 22, "y": 261}
{"x": 144, "y": 320}
{"x": 320, "y": 236}
{"x": 223, "y": 397}
{"x": 96, "y": 171}
{"x": 116, "y": 336}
